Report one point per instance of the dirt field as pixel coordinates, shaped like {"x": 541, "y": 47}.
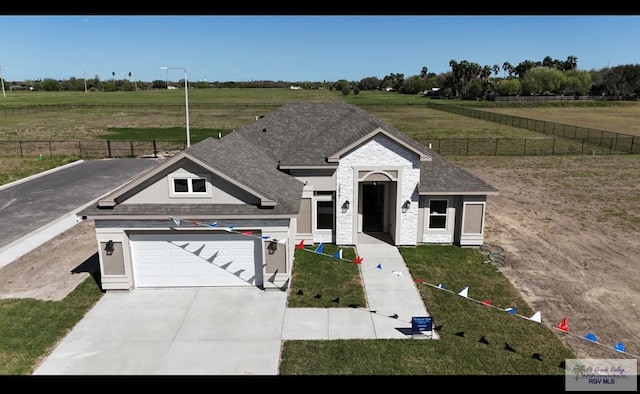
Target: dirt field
{"x": 570, "y": 229}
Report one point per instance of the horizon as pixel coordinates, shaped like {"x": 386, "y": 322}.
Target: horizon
{"x": 300, "y": 48}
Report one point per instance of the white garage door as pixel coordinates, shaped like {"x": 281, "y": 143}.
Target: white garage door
{"x": 188, "y": 260}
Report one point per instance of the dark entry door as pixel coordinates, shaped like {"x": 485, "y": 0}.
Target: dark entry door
{"x": 373, "y": 207}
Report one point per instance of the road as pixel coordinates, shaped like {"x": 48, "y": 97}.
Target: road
{"x": 36, "y": 209}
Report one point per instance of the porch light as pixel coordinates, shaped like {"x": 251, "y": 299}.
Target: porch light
{"x": 272, "y": 247}
{"x": 406, "y": 206}
{"x": 345, "y": 206}
{"x": 109, "y": 248}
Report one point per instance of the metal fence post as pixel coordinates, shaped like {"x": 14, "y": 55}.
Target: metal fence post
{"x": 155, "y": 150}
{"x": 132, "y": 152}
{"x": 108, "y": 148}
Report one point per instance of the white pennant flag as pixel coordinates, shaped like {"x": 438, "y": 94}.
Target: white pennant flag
{"x": 175, "y": 220}
{"x": 464, "y": 292}
{"x": 536, "y": 317}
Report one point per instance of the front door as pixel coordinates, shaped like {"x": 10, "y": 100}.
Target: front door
{"x": 373, "y": 207}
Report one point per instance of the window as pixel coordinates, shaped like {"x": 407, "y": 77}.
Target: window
{"x": 324, "y": 210}
{"x": 188, "y": 186}
{"x": 324, "y": 216}
{"x": 437, "y": 214}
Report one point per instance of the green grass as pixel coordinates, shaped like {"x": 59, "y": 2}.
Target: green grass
{"x": 30, "y": 329}
{"x": 322, "y": 281}
{"x": 14, "y": 169}
{"x": 161, "y": 134}
{"x": 461, "y": 323}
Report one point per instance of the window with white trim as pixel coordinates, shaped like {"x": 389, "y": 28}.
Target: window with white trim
{"x": 438, "y": 214}
{"x": 188, "y": 185}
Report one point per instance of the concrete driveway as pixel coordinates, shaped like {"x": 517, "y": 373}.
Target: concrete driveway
{"x": 187, "y": 331}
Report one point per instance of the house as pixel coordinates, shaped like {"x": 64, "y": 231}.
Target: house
{"x": 231, "y": 211}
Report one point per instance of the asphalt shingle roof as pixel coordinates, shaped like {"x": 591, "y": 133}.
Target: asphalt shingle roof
{"x": 440, "y": 176}
{"x": 298, "y": 134}
{"x": 306, "y": 133}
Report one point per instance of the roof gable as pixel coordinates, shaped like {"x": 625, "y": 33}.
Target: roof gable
{"x": 335, "y": 157}
{"x": 258, "y": 176}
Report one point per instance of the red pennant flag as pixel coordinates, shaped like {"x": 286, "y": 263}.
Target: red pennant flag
{"x": 247, "y": 232}
{"x": 194, "y": 222}
{"x": 357, "y": 260}
{"x": 486, "y": 302}
{"x": 300, "y": 245}
{"x": 419, "y": 280}
{"x": 563, "y": 325}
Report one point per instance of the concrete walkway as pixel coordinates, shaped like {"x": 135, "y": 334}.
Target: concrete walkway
{"x": 230, "y": 331}
{"x": 393, "y": 299}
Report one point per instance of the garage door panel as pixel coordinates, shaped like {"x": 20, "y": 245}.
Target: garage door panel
{"x": 164, "y": 261}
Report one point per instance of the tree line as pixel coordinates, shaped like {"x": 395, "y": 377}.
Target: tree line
{"x": 465, "y": 80}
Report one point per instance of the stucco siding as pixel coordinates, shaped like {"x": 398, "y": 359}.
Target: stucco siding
{"x": 220, "y": 191}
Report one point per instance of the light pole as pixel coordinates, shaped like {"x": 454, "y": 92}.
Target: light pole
{"x": 186, "y": 97}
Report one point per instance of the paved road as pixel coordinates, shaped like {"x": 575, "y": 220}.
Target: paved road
{"x": 32, "y": 204}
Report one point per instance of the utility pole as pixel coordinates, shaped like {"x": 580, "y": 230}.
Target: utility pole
{"x": 84, "y": 76}
{"x": 4, "y": 94}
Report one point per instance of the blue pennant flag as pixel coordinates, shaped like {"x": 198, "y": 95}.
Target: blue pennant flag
{"x": 319, "y": 248}
{"x": 440, "y": 286}
{"x": 265, "y": 237}
{"x": 213, "y": 224}
{"x": 591, "y": 337}
{"x": 511, "y": 311}
{"x": 620, "y": 347}
{"x": 379, "y": 266}
{"x": 338, "y": 254}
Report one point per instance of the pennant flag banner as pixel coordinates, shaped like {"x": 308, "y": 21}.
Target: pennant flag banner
{"x": 464, "y": 292}
{"x": 536, "y": 317}
{"x": 563, "y": 325}
{"x": 620, "y": 347}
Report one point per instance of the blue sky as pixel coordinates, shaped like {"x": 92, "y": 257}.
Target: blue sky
{"x": 300, "y": 48}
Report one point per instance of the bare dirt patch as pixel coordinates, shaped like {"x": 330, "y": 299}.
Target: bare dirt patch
{"x": 570, "y": 229}
{"x": 53, "y": 270}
